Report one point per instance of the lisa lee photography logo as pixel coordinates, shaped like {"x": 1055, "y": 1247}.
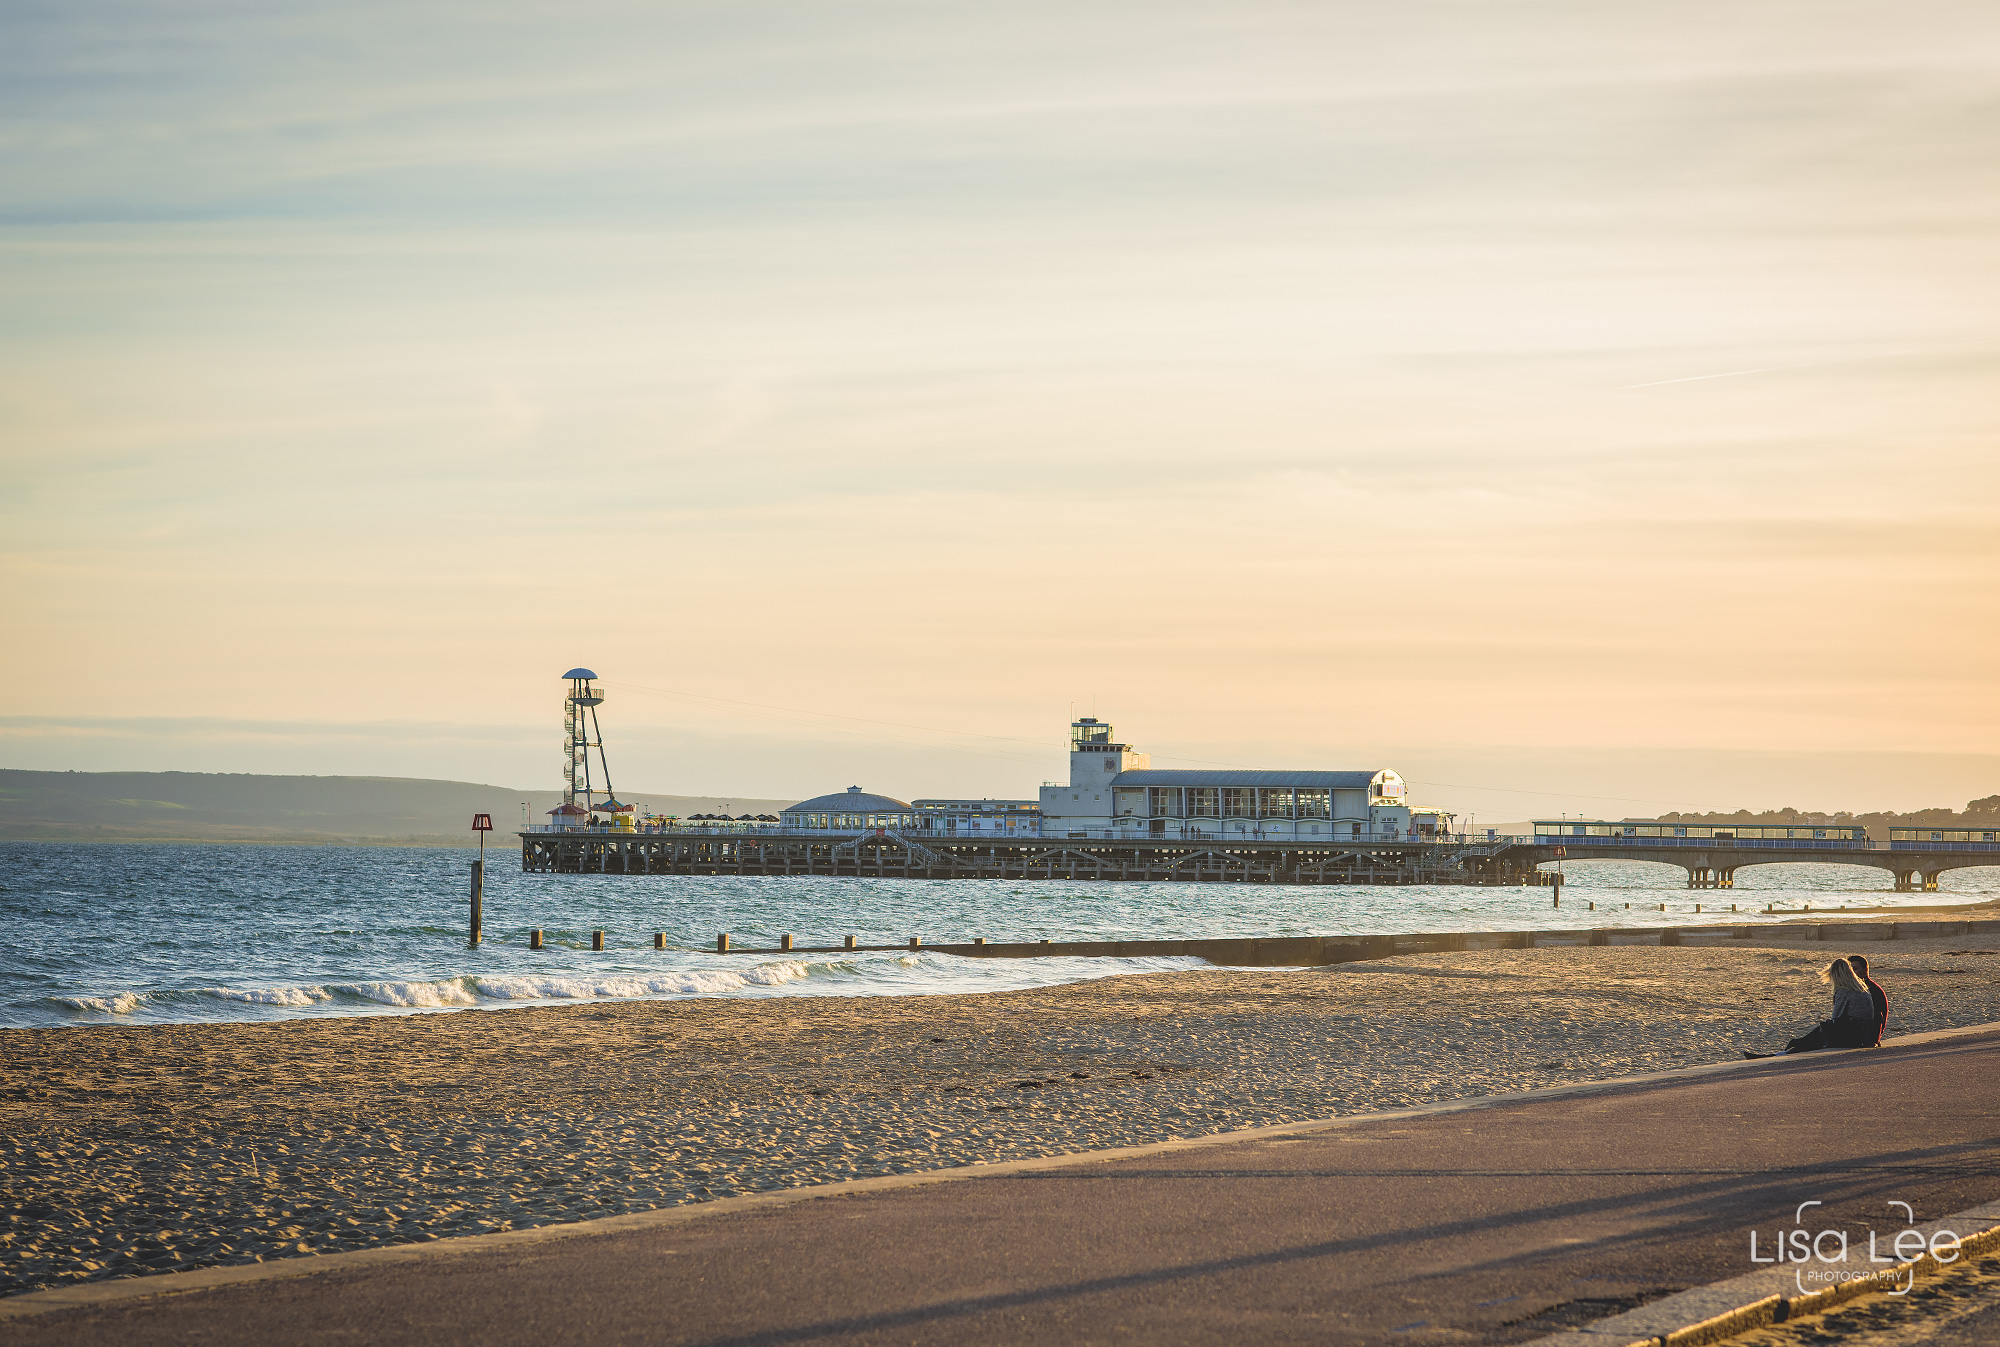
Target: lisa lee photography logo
{"x": 1827, "y": 1257}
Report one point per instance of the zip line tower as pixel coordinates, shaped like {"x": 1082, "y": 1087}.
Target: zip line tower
{"x": 580, "y": 735}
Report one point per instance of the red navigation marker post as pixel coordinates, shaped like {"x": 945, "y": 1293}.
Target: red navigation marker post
{"x": 481, "y": 824}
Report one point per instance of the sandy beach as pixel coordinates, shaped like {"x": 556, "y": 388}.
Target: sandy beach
{"x": 128, "y": 1151}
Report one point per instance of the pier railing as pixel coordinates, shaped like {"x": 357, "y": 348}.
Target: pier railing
{"x": 1258, "y": 835}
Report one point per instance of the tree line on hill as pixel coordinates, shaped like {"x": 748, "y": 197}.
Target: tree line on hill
{"x": 1976, "y": 814}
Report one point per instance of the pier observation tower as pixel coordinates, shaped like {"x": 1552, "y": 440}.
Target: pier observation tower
{"x": 581, "y": 734}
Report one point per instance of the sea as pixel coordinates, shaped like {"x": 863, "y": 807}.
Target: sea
{"x": 108, "y": 934}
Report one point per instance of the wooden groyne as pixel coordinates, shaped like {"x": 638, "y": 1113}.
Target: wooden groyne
{"x": 1312, "y": 951}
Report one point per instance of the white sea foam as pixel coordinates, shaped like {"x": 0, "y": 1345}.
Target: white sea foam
{"x": 118, "y": 1003}
{"x": 270, "y": 996}
{"x": 446, "y": 992}
{"x": 690, "y": 982}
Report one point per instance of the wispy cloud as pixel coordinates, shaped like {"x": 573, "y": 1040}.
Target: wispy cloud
{"x": 940, "y": 363}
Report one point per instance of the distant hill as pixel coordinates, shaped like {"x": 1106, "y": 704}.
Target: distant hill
{"x": 219, "y": 807}
{"x": 1976, "y": 814}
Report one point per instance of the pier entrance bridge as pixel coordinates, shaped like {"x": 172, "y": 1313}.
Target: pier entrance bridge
{"x": 1712, "y": 855}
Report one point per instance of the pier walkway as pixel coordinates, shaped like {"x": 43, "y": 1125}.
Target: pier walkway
{"x": 886, "y": 854}
{"x": 1489, "y": 1221}
{"x": 890, "y": 855}
{"x": 1712, "y": 863}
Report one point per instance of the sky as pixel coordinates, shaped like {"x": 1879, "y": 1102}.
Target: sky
{"x": 1577, "y": 407}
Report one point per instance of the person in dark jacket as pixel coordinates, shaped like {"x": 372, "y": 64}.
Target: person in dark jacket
{"x": 1881, "y": 998}
{"x": 1853, "y": 1024}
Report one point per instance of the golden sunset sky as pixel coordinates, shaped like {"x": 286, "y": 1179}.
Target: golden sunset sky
{"x": 1578, "y": 407}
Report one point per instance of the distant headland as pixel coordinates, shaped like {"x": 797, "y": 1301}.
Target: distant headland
{"x": 296, "y": 810}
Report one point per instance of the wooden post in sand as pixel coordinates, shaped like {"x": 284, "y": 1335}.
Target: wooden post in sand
{"x": 481, "y": 824}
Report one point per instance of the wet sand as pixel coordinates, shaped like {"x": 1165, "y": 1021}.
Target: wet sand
{"x": 149, "y": 1149}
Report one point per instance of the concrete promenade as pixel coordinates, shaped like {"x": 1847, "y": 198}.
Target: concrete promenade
{"x": 1479, "y": 1222}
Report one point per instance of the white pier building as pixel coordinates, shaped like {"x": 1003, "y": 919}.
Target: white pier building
{"x": 1114, "y": 792}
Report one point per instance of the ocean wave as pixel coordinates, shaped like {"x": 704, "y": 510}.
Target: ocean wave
{"x": 875, "y": 973}
{"x": 416, "y": 995}
{"x": 689, "y": 982}
{"x": 117, "y": 1003}
{"x": 269, "y": 996}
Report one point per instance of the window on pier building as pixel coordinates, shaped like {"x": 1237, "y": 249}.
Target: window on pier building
{"x": 1315, "y": 803}
{"x": 1163, "y": 802}
{"x": 1276, "y": 803}
{"x": 1239, "y": 802}
{"x": 1202, "y": 802}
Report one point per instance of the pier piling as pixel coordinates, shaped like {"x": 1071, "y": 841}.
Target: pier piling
{"x": 848, "y": 943}
{"x": 535, "y": 938}
{"x": 722, "y": 943}
{"x": 659, "y": 940}
{"x": 597, "y": 940}
{"x": 784, "y": 942}
{"x": 915, "y": 941}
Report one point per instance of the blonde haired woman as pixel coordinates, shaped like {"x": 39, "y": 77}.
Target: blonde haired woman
{"x": 1853, "y": 1022}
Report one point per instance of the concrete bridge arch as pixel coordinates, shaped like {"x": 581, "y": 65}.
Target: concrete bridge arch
{"x": 1714, "y": 867}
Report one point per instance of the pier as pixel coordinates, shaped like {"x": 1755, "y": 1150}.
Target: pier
{"x": 888, "y": 855}
{"x": 885, "y": 854}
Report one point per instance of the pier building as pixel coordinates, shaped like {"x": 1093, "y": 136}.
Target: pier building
{"x": 853, "y": 810}
{"x": 1113, "y": 791}
{"x": 979, "y": 818}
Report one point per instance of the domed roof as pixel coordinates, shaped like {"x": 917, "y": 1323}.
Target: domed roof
{"x": 853, "y": 800}
{"x": 581, "y": 673}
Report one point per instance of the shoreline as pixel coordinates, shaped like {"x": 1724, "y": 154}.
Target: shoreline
{"x": 628, "y": 981}
{"x": 161, "y": 1148}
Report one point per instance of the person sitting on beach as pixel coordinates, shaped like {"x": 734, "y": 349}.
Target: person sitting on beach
{"x": 1881, "y": 998}
{"x": 1853, "y": 1022}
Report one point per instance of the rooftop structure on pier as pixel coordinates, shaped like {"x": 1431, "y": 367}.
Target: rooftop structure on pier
{"x": 580, "y": 735}
{"x": 852, "y": 810}
{"x": 1114, "y": 791}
